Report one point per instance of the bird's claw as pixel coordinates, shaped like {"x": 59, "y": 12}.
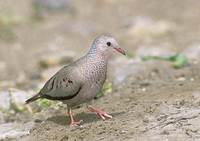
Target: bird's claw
{"x": 103, "y": 115}
{"x": 75, "y": 123}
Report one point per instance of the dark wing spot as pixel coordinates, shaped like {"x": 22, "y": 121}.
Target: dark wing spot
{"x": 60, "y": 84}
{"x": 57, "y": 86}
{"x": 69, "y": 81}
{"x": 52, "y": 84}
{"x": 64, "y": 79}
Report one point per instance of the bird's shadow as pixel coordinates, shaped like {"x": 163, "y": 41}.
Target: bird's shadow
{"x": 86, "y": 117}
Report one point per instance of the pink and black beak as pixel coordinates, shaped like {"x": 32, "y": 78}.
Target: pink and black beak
{"x": 120, "y": 50}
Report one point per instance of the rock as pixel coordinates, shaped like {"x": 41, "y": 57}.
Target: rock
{"x": 146, "y": 28}
{"x": 13, "y": 131}
{"x": 13, "y": 100}
{"x": 18, "y": 98}
{"x": 56, "y": 59}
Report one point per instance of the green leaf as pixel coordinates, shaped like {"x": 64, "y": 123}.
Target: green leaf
{"x": 99, "y": 94}
{"x": 178, "y": 60}
{"x": 107, "y": 88}
{"x": 44, "y": 103}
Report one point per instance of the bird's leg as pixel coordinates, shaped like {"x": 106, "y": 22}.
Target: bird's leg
{"x": 72, "y": 122}
{"x": 103, "y": 115}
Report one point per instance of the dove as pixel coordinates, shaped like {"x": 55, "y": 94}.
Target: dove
{"x": 80, "y": 81}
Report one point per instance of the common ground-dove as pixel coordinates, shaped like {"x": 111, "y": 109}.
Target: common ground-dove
{"x": 80, "y": 81}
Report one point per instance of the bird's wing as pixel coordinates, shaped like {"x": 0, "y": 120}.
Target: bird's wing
{"x": 64, "y": 85}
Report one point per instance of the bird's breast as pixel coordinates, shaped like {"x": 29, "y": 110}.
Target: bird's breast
{"x": 94, "y": 71}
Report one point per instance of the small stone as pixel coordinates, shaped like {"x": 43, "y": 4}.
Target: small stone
{"x": 38, "y": 120}
{"x": 191, "y": 79}
{"x": 144, "y": 89}
{"x": 123, "y": 131}
{"x": 181, "y": 79}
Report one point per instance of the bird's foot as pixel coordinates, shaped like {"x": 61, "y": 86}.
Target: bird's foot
{"x": 75, "y": 123}
{"x": 103, "y": 115}
{"x": 72, "y": 121}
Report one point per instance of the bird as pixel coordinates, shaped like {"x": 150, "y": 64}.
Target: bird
{"x": 80, "y": 81}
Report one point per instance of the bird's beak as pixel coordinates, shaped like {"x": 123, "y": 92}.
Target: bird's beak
{"x": 120, "y": 50}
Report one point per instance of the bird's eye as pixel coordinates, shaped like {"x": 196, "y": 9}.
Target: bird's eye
{"x": 108, "y": 43}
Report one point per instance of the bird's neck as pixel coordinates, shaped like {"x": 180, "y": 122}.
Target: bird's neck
{"x": 93, "y": 53}
{"x": 96, "y": 60}
{"x": 96, "y": 57}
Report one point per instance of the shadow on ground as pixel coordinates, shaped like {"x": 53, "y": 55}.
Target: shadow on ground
{"x": 86, "y": 117}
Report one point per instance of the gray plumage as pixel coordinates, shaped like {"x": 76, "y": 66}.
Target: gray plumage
{"x": 79, "y": 82}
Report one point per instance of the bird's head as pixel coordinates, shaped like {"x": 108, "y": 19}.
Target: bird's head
{"x": 106, "y": 44}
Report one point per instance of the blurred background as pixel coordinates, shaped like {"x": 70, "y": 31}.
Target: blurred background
{"x": 38, "y": 37}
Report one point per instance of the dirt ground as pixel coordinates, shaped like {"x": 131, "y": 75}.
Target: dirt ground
{"x": 154, "y": 101}
{"x": 157, "y": 104}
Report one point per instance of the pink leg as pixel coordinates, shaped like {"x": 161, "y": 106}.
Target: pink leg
{"x": 103, "y": 115}
{"x": 72, "y": 122}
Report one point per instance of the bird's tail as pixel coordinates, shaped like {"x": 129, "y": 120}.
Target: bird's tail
{"x": 35, "y": 97}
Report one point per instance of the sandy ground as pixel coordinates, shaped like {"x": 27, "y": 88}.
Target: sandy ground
{"x": 157, "y": 104}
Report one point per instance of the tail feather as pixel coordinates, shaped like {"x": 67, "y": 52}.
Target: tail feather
{"x": 35, "y": 97}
